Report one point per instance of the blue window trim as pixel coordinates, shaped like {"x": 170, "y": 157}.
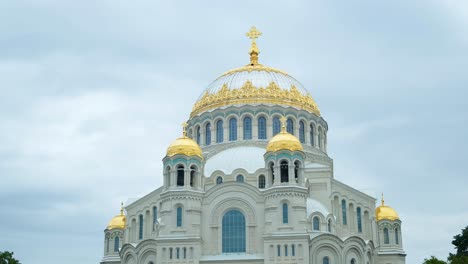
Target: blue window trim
{"x": 285, "y": 213}
{"x": 316, "y": 223}
{"x": 247, "y": 128}
{"x": 179, "y": 216}
{"x": 290, "y": 126}
{"x": 232, "y": 129}
{"x": 233, "y": 232}
{"x": 312, "y": 135}
{"x": 116, "y": 244}
{"x": 359, "y": 219}
{"x": 155, "y": 214}
{"x": 276, "y": 125}
{"x": 397, "y": 240}
{"x": 219, "y": 180}
{"x": 198, "y": 135}
{"x": 240, "y": 178}
{"x": 343, "y": 212}
{"x": 219, "y": 131}
{"x": 326, "y": 260}
{"x": 302, "y": 132}
{"x": 386, "y": 236}
{"x": 261, "y": 182}
{"x": 208, "y": 134}
{"x": 140, "y": 229}
{"x": 262, "y": 128}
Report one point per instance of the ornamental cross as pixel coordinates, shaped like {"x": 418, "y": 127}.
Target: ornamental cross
{"x": 253, "y": 34}
{"x": 184, "y": 128}
{"x": 283, "y": 123}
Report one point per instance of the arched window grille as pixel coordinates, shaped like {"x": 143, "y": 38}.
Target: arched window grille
{"x": 285, "y": 213}
{"x": 320, "y": 138}
{"x": 240, "y": 178}
{"x": 261, "y": 182}
{"x": 140, "y": 229}
{"x": 198, "y": 135}
{"x": 219, "y": 131}
{"x": 326, "y": 260}
{"x": 316, "y": 223}
{"x": 276, "y": 125}
{"x": 247, "y": 128}
{"x": 219, "y": 180}
{"x": 359, "y": 220}
{"x": 179, "y": 216}
{"x": 343, "y": 212}
{"x": 397, "y": 241}
{"x": 329, "y": 225}
{"x": 116, "y": 244}
{"x": 293, "y": 250}
{"x": 386, "y": 237}
{"x": 290, "y": 126}
{"x": 208, "y": 134}
{"x": 262, "y": 128}
{"x": 232, "y": 129}
{"x": 285, "y": 250}
{"x": 284, "y": 168}
{"x": 233, "y": 232}
{"x": 312, "y": 135}
{"x": 193, "y": 175}
{"x": 302, "y": 132}
{"x": 180, "y": 175}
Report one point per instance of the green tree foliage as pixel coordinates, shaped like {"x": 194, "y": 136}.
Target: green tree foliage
{"x": 461, "y": 245}
{"x": 434, "y": 260}
{"x": 7, "y": 258}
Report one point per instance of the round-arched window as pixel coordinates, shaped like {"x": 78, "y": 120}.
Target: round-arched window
{"x": 240, "y": 178}
{"x": 219, "y": 180}
{"x": 233, "y": 232}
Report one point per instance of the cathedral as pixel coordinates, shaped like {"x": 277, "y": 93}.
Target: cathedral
{"x": 250, "y": 181}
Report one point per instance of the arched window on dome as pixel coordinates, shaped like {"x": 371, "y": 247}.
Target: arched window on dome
{"x": 179, "y": 216}
{"x": 320, "y": 139}
{"x": 208, "y": 134}
{"x": 180, "y": 175}
{"x": 193, "y": 176}
{"x": 219, "y": 131}
{"x": 329, "y": 228}
{"x": 261, "y": 182}
{"x": 232, "y": 129}
{"x": 312, "y": 135}
{"x": 316, "y": 223}
{"x": 285, "y": 213}
{"x": 219, "y": 180}
{"x": 386, "y": 237}
{"x": 297, "y": 166}
{"x": 272, "y": 172}
{"x": 359, "y": 219}
{"x": 140, "y": 228}
{"x": 343, "y": 212}
{"x": 233, "y": 232}
{"x": 397, "y": 240}
{"x": 247, "y": 128}
{"x": 276, "y": 125}
{"x": 290, "y": 126}
{"x": 198, "y": 134}
{"x": 302, "y": 132}
{"x": 326, "y": 260}
{"x": 116, "y": 244}
{"x": 284, "y": 170}
{"x": 262, "y": 128}
{"x": 240, "y": 178}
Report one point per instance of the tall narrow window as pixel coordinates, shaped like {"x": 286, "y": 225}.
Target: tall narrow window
{"x": 240, "y": 178}
{"x": 276, "y": 125}
{"x": 397, "y": 241}
{"x": 284, "y": 168}
{"x": 193, "y": 176}
{"x": 232, "y": 129}
{"x": 208, "y": 134}
{"x": 116, "y": 244}
{"x": 179, "y": 216}
{"x": 140, "y": 229}
{"x": 107, "y": 244}
{"x": 261, "y": 182}
{"x": 296, "y": 171}
{"x": 385, "y": 235}
{"x": 262, "y": 128}
{"x": 353, "y": 261}
{"x": 343, "y": 212}
{"x": 319, "y": 133}
{"x": 247, "y": 128}
{"x": 233, "y": 232}
{"x": 326, "y": 260}
{"x": 285, "y": 250}
{"x": 316, "y": 223}
{"x": 278, "y": 248}
{"x": 272, "y": 173}
{"x": 155, "y": 214}
{"x": 180, "y": 175}
{"x": 285, "y": 213}
{"x": 177, "y": 253}
{"x": 170, "y": 253}
{"x": 312, "y": 135}
{"x": 219, "y": 131}
{"x": 359, "y": 220}
{"x": 185, "y": 253}
{"x": 198, "y": 135}
{"x": 293, "y": 250}
{"x": 329, "y": 225}
{"x": 302, "y": 132}
{"x": 290, "y": 126}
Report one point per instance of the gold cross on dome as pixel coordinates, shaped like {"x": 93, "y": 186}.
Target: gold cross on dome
{"x": 253, "y": 34}
{"x": 283, "y": 123}
{"x": 184, "y": 128}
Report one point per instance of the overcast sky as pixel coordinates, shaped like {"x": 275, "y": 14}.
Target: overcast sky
{"x": 93, "y": 92}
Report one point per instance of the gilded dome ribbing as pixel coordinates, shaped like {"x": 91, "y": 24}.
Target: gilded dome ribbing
{"x": 117, "y": 221}
{"x": 384, "y": 212}
{"x": 184, "y": 146}
{"x": 284, "y": 141}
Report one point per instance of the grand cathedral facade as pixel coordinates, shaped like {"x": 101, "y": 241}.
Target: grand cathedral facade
{"x": 250, "y": 181}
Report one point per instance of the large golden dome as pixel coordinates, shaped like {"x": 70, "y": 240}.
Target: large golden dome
{"x": 184, "y": 146}
{"x": 284, "y": 141}
{"x": 118, "y": 221}
{"x": 384, "y": 212}
{"x": 255, "y": 84}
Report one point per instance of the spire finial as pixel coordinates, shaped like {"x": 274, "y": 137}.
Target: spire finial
{"x": 184, "y": 129}
{"x": 383, "y": 202}
{"x": 283, "y": 124}
{"x": 253, "y": 34}
{"x": 121, "y": 208}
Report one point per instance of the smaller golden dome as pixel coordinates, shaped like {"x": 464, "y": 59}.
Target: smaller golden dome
{"x": 384, "y": 212}
{"x": 184, "y": 146}
{"x": 284, "y": 140}
{"x": 118, "y": 221}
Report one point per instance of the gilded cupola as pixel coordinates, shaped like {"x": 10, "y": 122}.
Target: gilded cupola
{"x": 384, "y": 212}
{"x": 118, "y": 221}
{"x": 255, "y": 84}
{"x": 184, "y": 146}
{"x": 284, "y": 140}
